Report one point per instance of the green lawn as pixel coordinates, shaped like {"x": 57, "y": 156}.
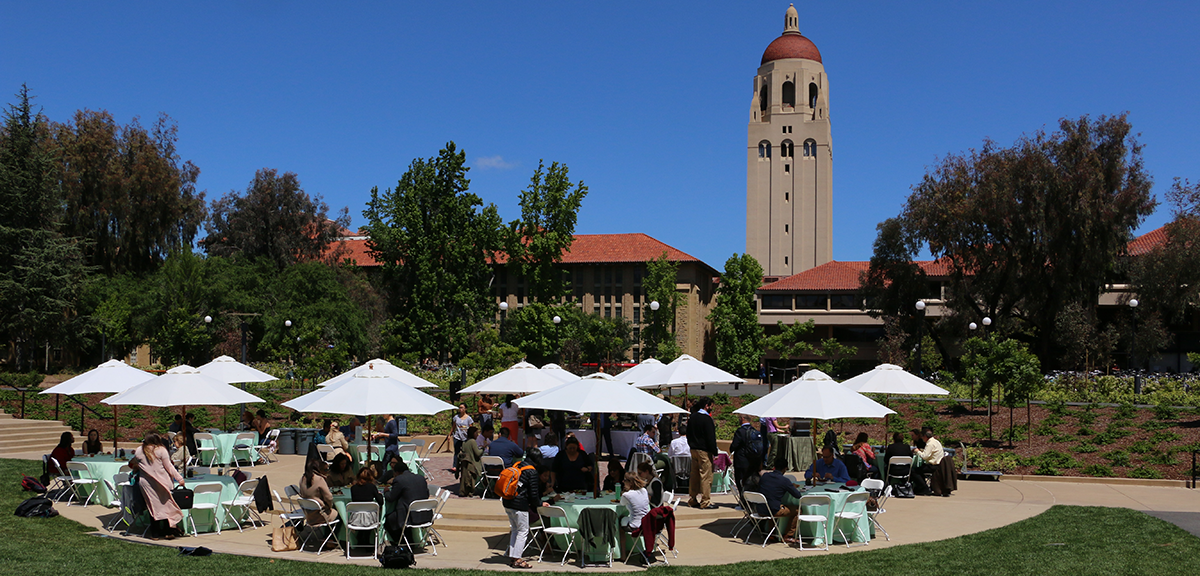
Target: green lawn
{"x": 1064, "y": 540}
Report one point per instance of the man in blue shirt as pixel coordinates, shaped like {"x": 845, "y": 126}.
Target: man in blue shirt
{"x": 645, "y": 443}
{"x": 505, "y": 448}
{"x": 828, "y": 468}
{"x": 390, "y": 436}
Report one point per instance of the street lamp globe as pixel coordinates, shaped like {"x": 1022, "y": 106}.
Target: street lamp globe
{"x": 557, "y": 319}
{"x": 208, "y": 319}
{"x": 1133, "y": 303}
{"x": 287, "y": 323}
{"x": 504, "y": 306}
{"x": 972, "y": 326}
{"x": 920, "y": 305}
{"x": 987, "y": 321}
{"x": 654, "y": 305}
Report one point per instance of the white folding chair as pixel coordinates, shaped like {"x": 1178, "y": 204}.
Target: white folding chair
{"x": 206, "y": 448}
{"x": 327, "y": 452}
{"x": 362, "y": 453}
{"x": 269, "y": 447}
{"x": 62, "y": 478}
{"x": 413, "y": 459}
{"x": 898, "y": 470}
{"x": 881, "y": 493}
{"x": 856, "y": 500}
{"x": 124, "y": 469}
{"x": 81, "y": 478}
{"x": 491, "y": 462}
{"x": 288, "y": 513}
{"x": 547, "y": 514}
{"x": 199, "y": 492}
{"x": 820, "y": 522}
{"x": 115, "y": 501}
{"x": 243, "y": 445}
{"x": 683, "y": 469}
{"x": 429, "y": 505}
{"x": 244, "y": 500}
{"x": 443, "y": 496}
{"x": 637, "y": 458}
{"x": 430, "y": 448}
{"x": 753, "y": 501}
{"x": 310, "y": 505}
{"x": 362, "y": 517}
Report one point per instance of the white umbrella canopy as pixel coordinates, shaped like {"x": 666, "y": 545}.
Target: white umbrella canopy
{"x": 642, "y": 370}
{"x": 522, "y": 378}
{"x": 369, "y": 391}
{"x": 230, "y": 371}
{"x": 686, "y": 370}
{"x": 108, "y": 378}
{"x": 599, "y": 393}
{"x": 384, "y": 367}
{"x": 182, "y": 386}
{"x": 816, "y": 396}
{"x": 892, "y": 379}
{"x": 558, "y": 372}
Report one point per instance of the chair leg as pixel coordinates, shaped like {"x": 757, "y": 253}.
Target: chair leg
{"x": 881, "y": 529}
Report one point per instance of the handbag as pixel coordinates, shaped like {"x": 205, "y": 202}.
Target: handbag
{"x": 397, "y": 557}
{"x": 535, "y": 422}
{"x": 283, "y": 539}
{"x": 183, "y": 497}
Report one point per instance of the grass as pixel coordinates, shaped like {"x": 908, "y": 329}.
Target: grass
{"x": 1064, "y": 539}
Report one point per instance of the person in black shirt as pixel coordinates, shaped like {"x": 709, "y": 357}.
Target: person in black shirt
{"x": 773, "y": 486}
{"x": 702, "y": 439}
{"x": 365, "y": 490}
{"x": 898, "y": 447}
{"x": 519, "y": 508}
{"x": 616, "y": 474}
{"x": 572, "y": 468}
{"x": 406, "y": 489}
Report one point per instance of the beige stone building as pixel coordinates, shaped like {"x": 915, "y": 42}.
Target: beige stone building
{"x": 789, "y": 187}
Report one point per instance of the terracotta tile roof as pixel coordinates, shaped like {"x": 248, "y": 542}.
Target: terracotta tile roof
{"x": 586, "y": 249}
{"x": 1148, "y": 241}
{"x": 837, "y": 275}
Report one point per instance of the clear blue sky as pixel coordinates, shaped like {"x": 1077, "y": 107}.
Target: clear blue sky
{"x": 646, "y": 102}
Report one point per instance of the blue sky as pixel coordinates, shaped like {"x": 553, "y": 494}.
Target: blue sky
{"x": 646, "y": 102}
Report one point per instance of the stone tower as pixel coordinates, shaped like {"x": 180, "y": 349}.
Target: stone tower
{"x": 789, "y": 198}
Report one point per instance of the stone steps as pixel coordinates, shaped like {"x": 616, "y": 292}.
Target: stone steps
{"x": 23, "y": 436}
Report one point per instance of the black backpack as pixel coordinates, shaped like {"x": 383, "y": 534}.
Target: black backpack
{"x": 36, "y": 507}
{"x": 397, "y": 557}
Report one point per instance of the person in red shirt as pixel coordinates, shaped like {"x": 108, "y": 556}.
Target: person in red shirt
{"x": 63, "y": 453}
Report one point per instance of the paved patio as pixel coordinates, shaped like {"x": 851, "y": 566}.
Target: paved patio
{"x": 477, "y": 530}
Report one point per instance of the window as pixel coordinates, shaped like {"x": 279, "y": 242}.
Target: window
{"x": 785, "y": 228}
{"x": 810, "y": 148}
{"x": 764, "y": 149}
{"x": 785, "y": 260}
{"x": 787, "y": 168}
{"x": 789, "y": 94}
{"x": 764, "y": 97}
{"x": 787, "y": 149}
{"x": 813, "y": 91}
{"x": 810, "y": 301}
{"x": 786, "y": 196}
{"x": 776, "y": 302}
{"x": 843, "y": 302}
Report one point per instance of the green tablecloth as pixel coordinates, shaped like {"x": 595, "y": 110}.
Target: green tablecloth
{"x": 340, "y": 499}
{"x": 574, "y": 508}
{"x": 799, "y": 451}
{"x": 101, "y": 467}
{"x": 224, "y": 442}
{"x": 837, "y": 500}
{"x": 204, "y": 520}
{"x": 378, "y": 449}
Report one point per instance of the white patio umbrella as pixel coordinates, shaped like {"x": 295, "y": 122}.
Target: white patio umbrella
{"x": 369, "y": 391}
{"x": 816, "y": 396}
{"x": 110, "y": 377}
{"x": 684, "y": 371}
{"x": 892, "y": 379}
{"x": 522, "y": 378}
{"x": 558, "y": 372}
{"x": 383, "y": 367}
{"x": 230, "y": 371}
{"x": 642, "y": 370}
{"x": 182, "y": 386}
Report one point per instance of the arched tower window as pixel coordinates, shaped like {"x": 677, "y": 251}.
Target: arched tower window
{"x": 764, "y": 97}
{"x": 789, "y": 94}
{"x": 786, "y": 149}
{"x": 764, "y": 150}
{"x": 810, "y": 148}
{"x": 813, "y": 91}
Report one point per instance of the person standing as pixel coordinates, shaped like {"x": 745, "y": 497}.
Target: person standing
{"x": 747, "y": 447}
{"x": 518, "y": 508}
{"x": 459, "y": 424}
{"x": 603, "y": 425}
{"x": 702, "y": 439}
{"x": 390, "y": 435}
{"x": 510, "y": 416}
{"x": 156, "y": 476}
{"x": 469, "y": 465}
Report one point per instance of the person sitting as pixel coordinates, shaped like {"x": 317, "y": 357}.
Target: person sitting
{"x": 827, "y": 468}
{"x": 654, "y": 486}
{"x": 248, "y": 421}
{"x": 349, "y": 429}
{"x": 773, "y": 486}
{"x": 484, "y": 439}
{"x": 931, "y": 457}
{"x": 341, "y": 472}
{"x": 63, "y": 453}
{"x": 322, "y": 435}
{"x": 898, "y": 447}
{"x": 191, "y": 431}
{"x": 365, "y": 490}
{"x": 634, "y": 499}
{"x": 616, "y": 475}
{"x": 92, "y": 446}
{"x": 406, "y": 489}
{"x": 469, "y": 465}
{"x": 312, "y": 485}
{"x": 179, "y": 456}
{"x": 337, "y": 440}
{"x": 550, "y": 448}
{"x": 646, "y": 444}
{"x": 572, "y": 468}
{"x": 505, "y": 448}
{"x": 679, "y": 446}
{"x": 262, "y": 425}
{"x": 862, "y": 449}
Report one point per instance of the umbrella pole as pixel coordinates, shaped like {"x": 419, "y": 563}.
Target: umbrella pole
{"x": 596, "y": 459}
{"x": 114, "y": 429}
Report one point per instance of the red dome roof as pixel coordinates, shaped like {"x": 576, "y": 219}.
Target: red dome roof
{"x": 791, "y": 46}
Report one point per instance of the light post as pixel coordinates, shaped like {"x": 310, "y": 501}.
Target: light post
{"x": 653, "y": 308}
{"x": 973, "y": 327}
{"x": 503, "y": 316}
{"x": 291, "y": 359}
{"x": 1133, "y": 365}
{"x": 920, "y": 306}
{"x": 987, "y": 321}
{"x": 558, "y": 345}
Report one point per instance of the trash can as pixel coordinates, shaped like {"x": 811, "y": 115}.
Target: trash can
{"x": 286, "y": 441}
{"x": 304, "y": 437}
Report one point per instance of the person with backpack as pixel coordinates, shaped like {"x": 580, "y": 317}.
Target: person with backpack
{"x": 520, "y": 490}
{"x": 747, "y": 450}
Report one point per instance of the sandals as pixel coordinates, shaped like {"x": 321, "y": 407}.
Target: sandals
{"x": 520, "y": 563}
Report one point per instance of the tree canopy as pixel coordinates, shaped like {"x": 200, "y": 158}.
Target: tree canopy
{"x": 737, "y": 332}
{"x": 536, "y": 242}
{"x": 658, "y": 336}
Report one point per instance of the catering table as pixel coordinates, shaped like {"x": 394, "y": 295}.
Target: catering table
{"x": 573, "y": 509}
{"x": 102, "y": 467}
{"x": 204, "y": 521}
{"x": 837, "y": 499}
{"x": 799, "y": 451}
{"x": 223, "y": 442}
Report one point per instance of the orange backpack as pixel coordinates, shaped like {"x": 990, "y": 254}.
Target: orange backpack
{"x": 510, "y": 480}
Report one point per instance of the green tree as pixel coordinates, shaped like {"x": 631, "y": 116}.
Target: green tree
{"x": 796, "y": 340}
{"x": 660, "y": 285}
{"x": 738, "y": 335}
{"x": 1004, "y": 366}
{"x": 126, "y": 191}
{"x": 435, "y": 241}
{"x": 531, "y": 329}
{"x": 537, "y": 242}
{"x": 275, "y": 219}
{"x": 183, "y": 294}
{"x": 1025, "y": 231}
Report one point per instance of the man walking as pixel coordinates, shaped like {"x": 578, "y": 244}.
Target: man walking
{"x": 702, "y": 438}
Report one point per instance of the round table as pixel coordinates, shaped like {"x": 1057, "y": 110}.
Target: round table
{"x": 204, "y": 521}
{"x": 103, "y": 467}
{"x": 837, "y": 498}
{"x": 379, "y": 450}
{"x": 224, "y": 442}
{"x": 573, "y": 510}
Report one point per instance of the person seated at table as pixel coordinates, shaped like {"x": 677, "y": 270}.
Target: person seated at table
{"x": 505, "y": 448}
{"x": 654, "y": 486}
{"x": 92, "y": 445}
{"x": 635, "y": 499}
{"x": 341, "y": 472}
{"x": 313, "y": 486}
{"x": 247, "y": 421}
{"x": 365, "y": 490}
{"x": 484, "y": 438}
{"x": 898, "y": 447}
{"x": 530, "y": 488}
{"x": 388, "y": 465}
{"x": 572, "y": 468}
{"x": 753, "y": 477}
{"x": 63, "y": 453}
{"x": 531, "y": 443}
{"x": 862, "y": 449}
{"x": 773, "y": 486}
{"x": 348, "y": 430}
{"x": 828, "y": 468}
{"x": 176, "y": 427}
{"x": 550, "y": 448}
{"x": 320, "y": 436}
{"x": 469, "y": 465}
{"x": 679, "y": 446}
{"x": 179, "y": 455}
{"x": 337, "y": 440}
{"x": 918, "y": 439}
{"x": 616, "y": 474}
{"x": 646, "y": 443}
{"x": 931, "y": 457}
{"x": 406, "y": 489}
{"x": 262, "y": 424}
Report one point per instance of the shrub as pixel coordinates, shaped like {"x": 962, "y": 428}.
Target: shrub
{"x": 1165, "y": 412}
{"x": 1052, "y": 462}
{"x": 1004, "y": 462}
{"x": 1118, "y": 458}
{"x": 1160, "y": 458}
{"x": 1144, "y": 472}
{"x": 976, "y": 427}
{"x": 1056, "y": 407}
{"x": 1152, "y": 425}
{"x": 1045, "y": 428}
{"x": 1126, "y": 411}
{"x": 1085, "y": 431}
{"x": 1098, "y": 470}
{"x": 1141, "y": 447}
{"x": 1085, "y": 448}
{"x": 1085, "y": 417}
{"x": 1062, "y": 438}
{"x": 1164, "y": 437}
